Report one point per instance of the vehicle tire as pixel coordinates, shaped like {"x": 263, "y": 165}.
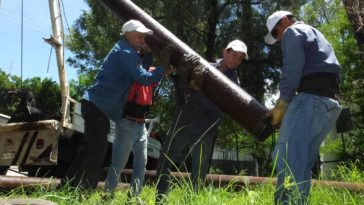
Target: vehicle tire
{"x": 4, "y": 169}
{"x": 57, "y": 171}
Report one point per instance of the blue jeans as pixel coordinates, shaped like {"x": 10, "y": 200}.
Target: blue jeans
{"x": 129, "y": 136}
{"x": 308, "y": 119}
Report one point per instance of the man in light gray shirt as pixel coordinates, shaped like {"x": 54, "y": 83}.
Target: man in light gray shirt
{"x": 308, "y": 106}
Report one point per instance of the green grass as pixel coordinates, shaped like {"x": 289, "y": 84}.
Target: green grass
{"x": 182, "y": 193}
{"x": 262, "y": 194}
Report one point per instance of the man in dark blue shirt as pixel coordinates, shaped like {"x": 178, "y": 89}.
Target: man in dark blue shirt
{"x": 196, "y": 124}
{"x": 308, "y": 106}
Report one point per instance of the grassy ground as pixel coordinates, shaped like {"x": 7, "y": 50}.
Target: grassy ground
{"x": 262, "y": 194}
{"x": 183, "y": 194}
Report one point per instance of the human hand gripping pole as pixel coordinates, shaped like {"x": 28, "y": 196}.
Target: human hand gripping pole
{"x": 277, "y": 113}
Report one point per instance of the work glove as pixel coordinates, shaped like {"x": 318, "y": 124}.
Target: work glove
{"x": 164, "y": 57}
{"x": 186, "y": 64}
{"x": 277, "y": 113}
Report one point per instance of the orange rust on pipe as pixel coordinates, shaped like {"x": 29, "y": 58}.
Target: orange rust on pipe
{"x": 240, "y": 181}
{"x": 11, "y": 182}
{"x": 230, "y": 98}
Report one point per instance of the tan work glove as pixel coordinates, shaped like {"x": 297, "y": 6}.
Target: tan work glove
{"x": 276, "y": 115}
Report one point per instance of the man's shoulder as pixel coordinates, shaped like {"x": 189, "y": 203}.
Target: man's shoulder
{"x": 299, "y": 27}
{"x": 123, "y": 46}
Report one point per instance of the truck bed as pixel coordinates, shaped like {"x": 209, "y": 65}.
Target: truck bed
{"x": 26, "y": 143}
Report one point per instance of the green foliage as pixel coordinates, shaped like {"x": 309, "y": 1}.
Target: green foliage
{"x": 7, "y": 83}
{"x": 78, "y": 87}
{"x": 355, "y": 146}
{"x": 46, "y": 92}
{"x": 91, "y": 38}
{"x": 163, "y": 106}
{"x": 350, "y": 172}
{"x": 232, "y": 137}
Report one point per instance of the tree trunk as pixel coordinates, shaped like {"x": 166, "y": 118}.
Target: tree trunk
{"x": 355, "y": 11}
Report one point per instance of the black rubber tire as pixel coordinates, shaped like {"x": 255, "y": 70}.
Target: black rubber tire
{"x": 4, "y": 169}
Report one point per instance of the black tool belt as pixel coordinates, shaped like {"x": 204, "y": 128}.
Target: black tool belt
{"x": 322, "y": 84}
{"x": 135, "y": 110}
{"x": 134, "y": 119}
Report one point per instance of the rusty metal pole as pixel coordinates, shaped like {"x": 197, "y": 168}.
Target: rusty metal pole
{"x": 229, "y": 97}
{"x": 9, "y": 182}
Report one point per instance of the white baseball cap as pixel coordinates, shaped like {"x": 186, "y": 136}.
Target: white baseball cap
{"x": 240, "y": 46}
{"x": 135, "y": 25}
{"x": 271, "y": 23}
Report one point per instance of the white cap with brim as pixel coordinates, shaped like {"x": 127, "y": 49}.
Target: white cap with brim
{"x": 239, "y": 46}
{"x": 271, "y": 23}
{"x": 135, "y": 25}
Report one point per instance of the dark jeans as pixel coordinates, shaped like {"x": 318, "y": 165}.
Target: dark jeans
{"x": 87, "y": 166}
{"x": 196, "y": 130}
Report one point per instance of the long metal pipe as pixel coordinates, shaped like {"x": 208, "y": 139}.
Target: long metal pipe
{"x": 11, "y": 182}
{"x": 229, "y": 97}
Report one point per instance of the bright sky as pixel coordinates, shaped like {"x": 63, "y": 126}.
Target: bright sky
{"x": 37, "y": 24}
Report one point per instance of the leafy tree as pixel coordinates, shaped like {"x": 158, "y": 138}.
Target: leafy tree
{"x": 46, "y": 93}
{"x": 6, "y": 84}
{"x": 354, "y": 9}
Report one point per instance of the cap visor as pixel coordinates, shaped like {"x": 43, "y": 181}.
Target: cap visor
{"x": 235, "y": 48}
{"x": 146, "y": 31}
{"x": 246, "y": 56}
{"x": 269, "y": 39}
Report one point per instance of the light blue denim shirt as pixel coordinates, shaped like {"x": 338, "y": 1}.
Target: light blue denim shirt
{"x": 121, "y": 67}
{"x": 305, "y": 50}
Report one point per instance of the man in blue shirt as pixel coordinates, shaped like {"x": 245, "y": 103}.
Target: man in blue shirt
{"x": 308, "y": 106}
{"x": 196, "y": 124}
{"x": 105, "y": 100}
